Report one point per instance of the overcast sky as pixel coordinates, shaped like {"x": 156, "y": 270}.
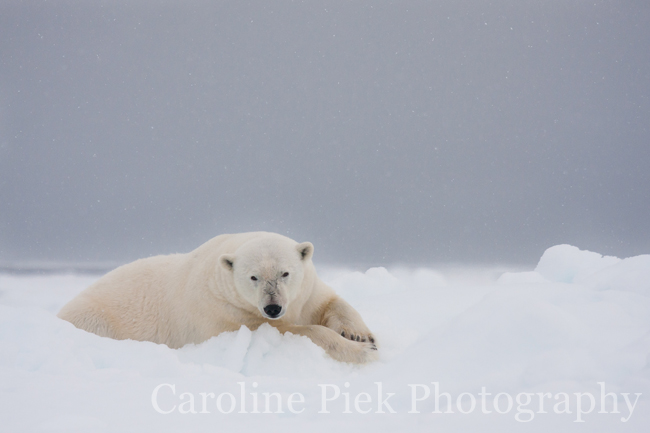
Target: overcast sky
{"x": 383, "y": 132}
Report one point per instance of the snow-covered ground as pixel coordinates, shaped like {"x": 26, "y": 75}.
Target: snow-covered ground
{"x": 549, "y": 340}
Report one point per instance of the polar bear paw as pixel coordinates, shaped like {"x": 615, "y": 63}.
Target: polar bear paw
{"x": 361, "y": 337}
{"x": 353, "y": 331}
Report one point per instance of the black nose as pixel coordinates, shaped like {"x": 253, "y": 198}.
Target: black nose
{"x": 273, "y": 310}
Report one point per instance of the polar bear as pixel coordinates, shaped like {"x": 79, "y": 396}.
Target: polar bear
{"x": 231, "y": 280}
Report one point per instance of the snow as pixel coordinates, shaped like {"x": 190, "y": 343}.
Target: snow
{"x": 578, "y": 324}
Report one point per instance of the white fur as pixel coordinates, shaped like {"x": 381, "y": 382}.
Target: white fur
{"x": 187, "y": 298}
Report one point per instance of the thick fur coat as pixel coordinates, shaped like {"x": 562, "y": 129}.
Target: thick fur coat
{"x": 231, "y": 280}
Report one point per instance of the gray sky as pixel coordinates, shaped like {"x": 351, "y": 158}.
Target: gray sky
{"x": 383, "y": 132}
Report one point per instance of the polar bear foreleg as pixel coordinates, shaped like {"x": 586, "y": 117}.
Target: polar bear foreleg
{"x": 334, "y": 344}
{"x": 339, "y": 316}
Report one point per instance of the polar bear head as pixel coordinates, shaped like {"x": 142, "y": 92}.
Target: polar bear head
{"x": 268, "y": 272}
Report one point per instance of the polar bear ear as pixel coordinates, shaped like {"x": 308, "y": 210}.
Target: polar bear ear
{"x": 227, "y": 261}
{"x": 306, "y": 250}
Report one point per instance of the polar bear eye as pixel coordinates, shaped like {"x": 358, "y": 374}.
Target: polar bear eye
{"x": 254, "y": 278}
{"x": 286, "y": 274}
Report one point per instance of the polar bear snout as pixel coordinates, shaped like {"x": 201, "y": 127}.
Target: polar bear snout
{"x": 273, "y": 311}
{"x": 273, "y": 300}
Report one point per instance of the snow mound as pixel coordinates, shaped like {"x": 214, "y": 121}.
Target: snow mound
{"x": 568, "y": 264}
{"x": 577, "y": 320}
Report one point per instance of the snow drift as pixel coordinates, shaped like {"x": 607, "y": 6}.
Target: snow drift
{"x": 576, "y": 326}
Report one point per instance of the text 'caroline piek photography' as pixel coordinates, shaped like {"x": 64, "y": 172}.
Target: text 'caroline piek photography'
{"x": 420, "y": 397}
